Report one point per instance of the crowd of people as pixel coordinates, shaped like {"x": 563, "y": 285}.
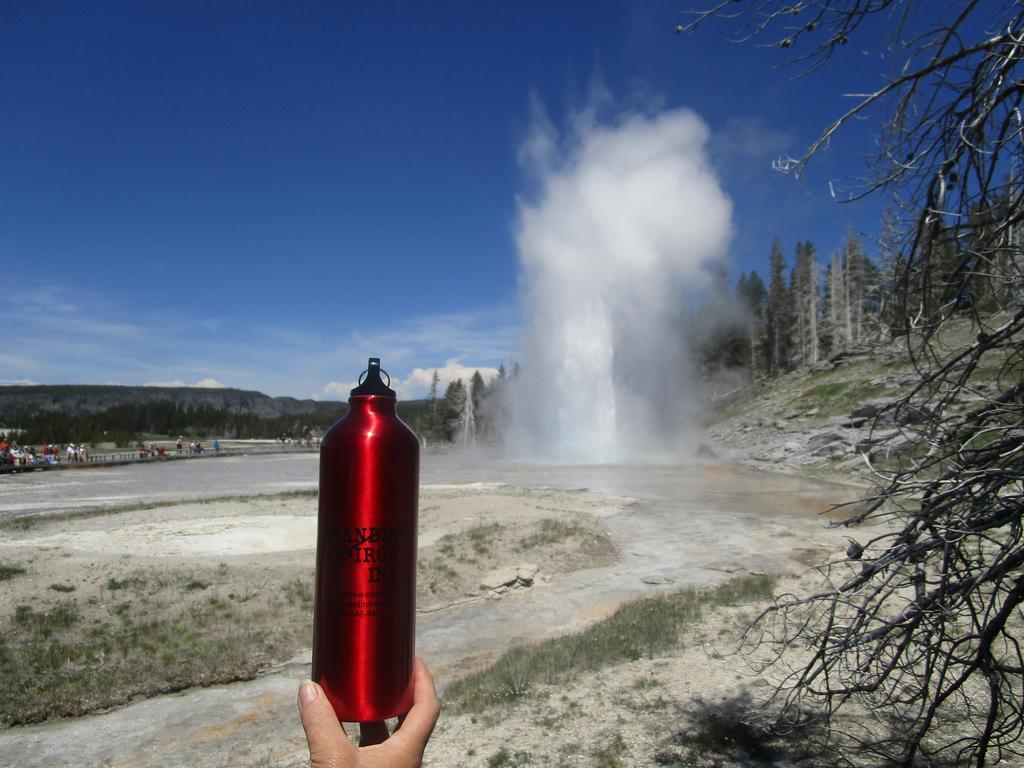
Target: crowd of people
{"x": 193, "y": 447}
{"x": 306, "y": 441}
{"x": 12, "y": 455}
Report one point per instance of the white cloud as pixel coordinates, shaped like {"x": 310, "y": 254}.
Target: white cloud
{"x": 486, "y": 335}
{"x": 336, "y": 390}
{"x": 201, "y": 384}
{"x": 417, "y": 384}
{"x": 18, "y": 382}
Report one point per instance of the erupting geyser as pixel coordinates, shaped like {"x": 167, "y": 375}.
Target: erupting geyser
{"x": 627, "y": 220}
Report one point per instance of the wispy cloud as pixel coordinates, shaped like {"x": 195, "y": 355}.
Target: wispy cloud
{"x": 417, "y": 383}
{"x": 336, "y": 390}
{"x": 85, "y": 340}
{"x": 61, "y": 308}
{"x": 202, "y": 384}
{"x": 749, "y": 139}
{"x": 18, "y": 362}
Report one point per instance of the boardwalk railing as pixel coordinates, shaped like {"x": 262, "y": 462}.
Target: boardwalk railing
{"x": 134, "y": 457}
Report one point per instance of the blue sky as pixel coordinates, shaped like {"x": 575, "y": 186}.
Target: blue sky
{"x": 262, "y": 195}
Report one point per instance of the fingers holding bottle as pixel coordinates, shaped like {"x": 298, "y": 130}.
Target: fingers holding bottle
{"x": 414, "y": 728}
{"x": 329, "y": 747}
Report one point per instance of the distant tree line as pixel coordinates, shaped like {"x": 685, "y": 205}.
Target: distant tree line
{"x": 125, "y": 424}
{"x": 466, "y": 414}
{"x": 812, "y": 311}
{"x": 803, "y": 315}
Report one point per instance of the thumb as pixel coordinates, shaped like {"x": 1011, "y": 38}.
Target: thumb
{"x": 329, "y": 747}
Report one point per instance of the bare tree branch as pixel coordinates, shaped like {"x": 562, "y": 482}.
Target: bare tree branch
{"x": 919, "y": 629}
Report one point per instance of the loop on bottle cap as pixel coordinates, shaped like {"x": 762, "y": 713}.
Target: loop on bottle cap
{"x": 370, "y": 383}
{"x": 364, "y": 373}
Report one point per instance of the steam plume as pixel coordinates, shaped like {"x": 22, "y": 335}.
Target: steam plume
{"x": 628, "y": 217}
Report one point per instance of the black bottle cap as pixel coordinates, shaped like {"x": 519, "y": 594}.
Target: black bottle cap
{"x": 372, "y": 384}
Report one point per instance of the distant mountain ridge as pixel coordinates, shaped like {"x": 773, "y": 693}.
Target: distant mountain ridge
{"x": 86, "y": 399}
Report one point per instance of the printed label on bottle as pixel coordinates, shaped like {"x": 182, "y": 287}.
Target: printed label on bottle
{"x": 375, "y": 549}
{"x": 361, "y": 604}
{"x": 374, "y": 554}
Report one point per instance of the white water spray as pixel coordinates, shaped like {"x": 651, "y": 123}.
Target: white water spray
{"x": 628, "y": 219}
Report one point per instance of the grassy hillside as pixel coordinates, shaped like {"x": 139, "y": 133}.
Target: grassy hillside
{"x": 832, "y": 416}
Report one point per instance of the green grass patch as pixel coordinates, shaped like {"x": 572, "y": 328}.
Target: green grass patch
{"x": 299, "y": 592}
{"x": 8, "y": 571}
{"x": 481, "y": 537}
{"x": 550, "y": 530}
{"x": 610, "y": 755}
{"x": 149, "y": 635}
{"x": 503, "y": 758}
{"x": 822, "y": 391}
{"x": 116, "y": 585}
{"x": 637, "y": 629}
{"x": 837, "y": 398}
{"x": 43, "y": 623}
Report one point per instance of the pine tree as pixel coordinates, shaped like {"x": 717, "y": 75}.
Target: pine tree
{"x": 478, "y": 392}
{"x": 797, "y": 290}
{"x": 731, "y": 332}
{"x": 854, "y": 288}
{"x": 871, "y": 301}
{"x": 777, "y": 315}
{"x": 477, "y": 388}
{"x": 804, "y": 291}
{"x": 752, "y": 296}
{"x": 715, "y": 333}
{"x": 890, "y": 314}
{"x": 433, "y": 431}
{"x": 494, "y": 416}
{"x": 451, "y": 410}
{"x": 837, "y": 305}
{"x": 813, "y": 303}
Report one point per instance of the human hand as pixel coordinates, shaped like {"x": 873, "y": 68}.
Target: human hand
{"x": 329, "y": 747}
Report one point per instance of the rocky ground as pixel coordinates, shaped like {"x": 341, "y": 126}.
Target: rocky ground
{"x": 693, "y": 705}
{"x": 106, "y": 608}
{"x": 831, "y": 420}
{"x": 183, "y": 587}
{"x": 843, "y": 417}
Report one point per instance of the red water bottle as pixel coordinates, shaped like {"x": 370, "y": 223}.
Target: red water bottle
{"x": 364, "y": 621}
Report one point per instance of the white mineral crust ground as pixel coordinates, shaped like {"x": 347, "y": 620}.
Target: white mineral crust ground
{"x": 689, "y": 525}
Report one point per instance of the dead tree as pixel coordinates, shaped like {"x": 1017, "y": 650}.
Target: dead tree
{"x": 921, "y": 627}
